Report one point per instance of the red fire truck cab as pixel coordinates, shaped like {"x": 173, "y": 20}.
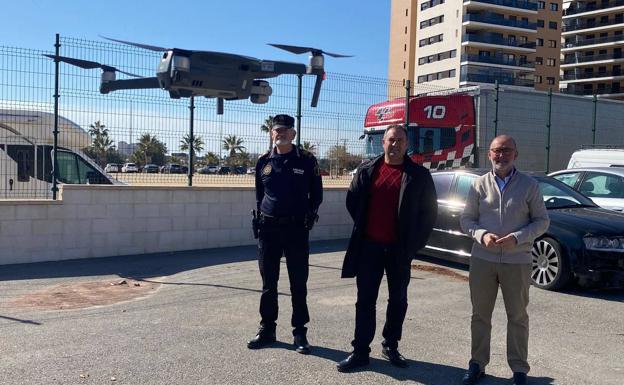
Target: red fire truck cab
{"x": 441, "y": 130}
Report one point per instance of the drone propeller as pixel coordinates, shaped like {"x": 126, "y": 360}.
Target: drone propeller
{"x": 87, "y": 64}
{"x": 139, "y": 45}
{"x": 299, "y": 50}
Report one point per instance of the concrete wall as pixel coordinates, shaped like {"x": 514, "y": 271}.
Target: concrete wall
{"x": 103, "y": 221}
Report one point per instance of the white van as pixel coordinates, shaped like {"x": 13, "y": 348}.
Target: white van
{"x": 26, "y": 147}
{"x": 597, "y": 157}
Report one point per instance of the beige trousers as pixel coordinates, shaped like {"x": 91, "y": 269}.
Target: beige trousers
{"x": 514, "y": 281}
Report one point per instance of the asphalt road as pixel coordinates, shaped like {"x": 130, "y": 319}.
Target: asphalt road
{"x": 193, "y": 328}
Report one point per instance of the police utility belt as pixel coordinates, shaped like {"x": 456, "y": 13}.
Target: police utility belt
{"x": 260, "y": 219}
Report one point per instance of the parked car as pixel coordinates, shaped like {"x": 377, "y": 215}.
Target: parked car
{"x": 112, "y": 167}
{"x": 597, "y": 156}
{"x": 150, "y": 169}
{"x": 240, "y": 170}
{"x": 224, "y": 170}
{"x": 209, "y": 169}
{"x": 603, "y": 185}
{"x": 251, "y": 170}
{"x": 583, "y": 242}
{"x": 171, "y": 168}
{"x": 130, "y": 167}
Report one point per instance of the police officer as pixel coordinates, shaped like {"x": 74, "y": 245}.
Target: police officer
{"x": 288, "y": 193}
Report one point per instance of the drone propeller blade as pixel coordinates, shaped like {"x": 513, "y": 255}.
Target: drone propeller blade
{"x": 139, "y": 45}
{"x": 299, "y": 50}
{"x": 317, "y": 89}
{"x": 87, "y": 64}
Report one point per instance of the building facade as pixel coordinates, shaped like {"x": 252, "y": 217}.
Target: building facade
{"x": 455, "y": 43}
{"x": 592, "y": 48}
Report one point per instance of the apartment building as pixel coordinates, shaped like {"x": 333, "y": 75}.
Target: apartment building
{"x": 457, "y": 43}
{"x": 592, "y": 51}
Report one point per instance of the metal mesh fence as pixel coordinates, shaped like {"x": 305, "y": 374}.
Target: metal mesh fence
{"x": 142, "y": 136}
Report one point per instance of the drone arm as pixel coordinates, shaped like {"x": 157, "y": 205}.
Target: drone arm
{"x": 317, "y": 88}
{"x": 129, "y": 84}
{"x": 270, "y": 69}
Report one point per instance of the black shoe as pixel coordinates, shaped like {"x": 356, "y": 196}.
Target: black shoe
{"x": 473, "y": 375}
{"x": 262, "y": 339}
{"x": 301, "y": 344}
{"x": 395, "y": 358}
{"x": 355, "y": 360}
{"x": 520, "y": 378}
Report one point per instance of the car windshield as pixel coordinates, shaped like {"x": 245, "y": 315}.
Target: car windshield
{"x": 558, "y": 195}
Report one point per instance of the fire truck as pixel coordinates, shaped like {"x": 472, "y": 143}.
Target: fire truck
{"x": 441, "y": 129}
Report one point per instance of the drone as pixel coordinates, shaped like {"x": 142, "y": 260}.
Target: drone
{"x": 225, "y": 76}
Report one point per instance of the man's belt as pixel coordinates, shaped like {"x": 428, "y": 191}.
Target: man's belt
{"x": 290, "y": 220}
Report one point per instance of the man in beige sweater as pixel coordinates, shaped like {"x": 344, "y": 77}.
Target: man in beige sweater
{"x": 504, "y": 214}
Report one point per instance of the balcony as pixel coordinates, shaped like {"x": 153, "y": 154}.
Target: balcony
{"x": 577, "y": 8}
{"x": 497, "y": 59}
{"x": 595, "y": 24}
{"x": 599, "y": 40}
{"x": 591, "y": 75}
{"x": 489, "y": 19}
{"x": 521, "y": 4}
{"x": 492, "y": 78}
{"x": 588, "y": 92}
{"x": 591, "y": 58}
{"x": 497, "y": 40}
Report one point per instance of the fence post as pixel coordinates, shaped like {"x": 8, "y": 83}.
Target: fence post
{"x": 191, "y": 141}
{"x": 299, "y": 85}
{"x": 55, "y": 133}
{"x": 497, "y": 87}
{"x": 594, "y": 117}
{"x": 548, "y": 125}
{"x": 408, "y": 91}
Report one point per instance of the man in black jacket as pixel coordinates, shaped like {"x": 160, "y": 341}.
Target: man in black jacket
{"x": 393, "y": 204}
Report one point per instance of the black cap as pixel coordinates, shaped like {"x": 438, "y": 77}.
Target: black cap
{"x": 283, "y": 120}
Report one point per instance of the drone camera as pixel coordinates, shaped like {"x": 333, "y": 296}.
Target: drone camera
{"x": 260, "y": 92}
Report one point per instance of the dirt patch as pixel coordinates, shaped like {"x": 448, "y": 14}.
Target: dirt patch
{"x": 79, "y": 295}
{"x": 441, "y": 270}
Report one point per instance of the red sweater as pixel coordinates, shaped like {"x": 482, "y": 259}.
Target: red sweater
{"x": 383, "y": 206}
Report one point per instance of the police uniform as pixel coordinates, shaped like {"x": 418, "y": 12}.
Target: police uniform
{"x": 288, "y": 193}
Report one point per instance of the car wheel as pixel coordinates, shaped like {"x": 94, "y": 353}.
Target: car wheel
{"x": 550, "y": 269}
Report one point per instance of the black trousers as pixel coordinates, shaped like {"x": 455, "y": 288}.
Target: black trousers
{"x": 374, "y": 260}
{"x": 290, "y": 240}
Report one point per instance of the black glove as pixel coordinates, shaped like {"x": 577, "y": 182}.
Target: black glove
{"x": 310, "y": 219}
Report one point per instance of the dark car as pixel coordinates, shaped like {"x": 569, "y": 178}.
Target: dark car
{"x": 224, "y": 170}
{"x": 583, "y": 242}
{"x": 172, "y": 168}
{"x": 240, "y": 170}
{"x": 150, "y": 168}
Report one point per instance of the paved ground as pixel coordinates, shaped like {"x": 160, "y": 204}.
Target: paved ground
{"x": 190, "y": 324}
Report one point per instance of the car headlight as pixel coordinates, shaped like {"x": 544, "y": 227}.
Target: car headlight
{"x": 604, "y": 243}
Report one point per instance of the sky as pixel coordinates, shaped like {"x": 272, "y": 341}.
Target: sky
{"x": 353, "y": 27}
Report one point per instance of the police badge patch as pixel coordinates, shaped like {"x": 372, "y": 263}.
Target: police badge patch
{"x": 266, "y": 170}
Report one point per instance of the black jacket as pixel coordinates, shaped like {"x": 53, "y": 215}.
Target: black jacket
{"x": 418, "y": 208}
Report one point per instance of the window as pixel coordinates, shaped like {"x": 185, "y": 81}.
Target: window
{"x": 541, "y": 4}
{"x": 550, "y": 62}
{"x": 463, "y": 186}
{"x": 539, "y": 42}
{"x": 437, "y": 76}
{"x": 550, "y": 80}
{"x": 539, "y": 60}
{"x": 552, "y": 43}
{"x": 430, "y": 40}
{"x": 552, "y": 24}
{"x": 540, "y": 23}
{"x": 430, "y": 3}
{"x": 432, "y": 21}
{"x": 554, "y": 7}
{"x": 442, "y": 184}
{"x": 598, "y": 185}
{"x": 406, "y": 11}
{"x": 437, "y": 57}
{"x": 434, "y": 139}
{"x": 538, "y": 79}
{"x": 569, "y": 178}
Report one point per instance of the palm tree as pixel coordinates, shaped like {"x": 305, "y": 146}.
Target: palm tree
{"x": 150, "y": 150}
{"x": 198, "y": 144}
{"x": 267, "y": 127}
{"x": 101, "y": 143}
{"x": 309, "y": 147}
{"x": 233, "y": 144}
